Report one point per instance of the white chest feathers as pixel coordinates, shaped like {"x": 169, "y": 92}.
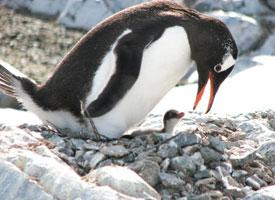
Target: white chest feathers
{"x": 164, "y": 62}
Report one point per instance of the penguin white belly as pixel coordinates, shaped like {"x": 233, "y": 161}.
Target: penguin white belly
{"x": 164, "y": 62}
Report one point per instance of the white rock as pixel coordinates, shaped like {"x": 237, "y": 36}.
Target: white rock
{"x": 14, "y": 184}
{"x": 266, "y": 193}
{"x": 123, "y": 180}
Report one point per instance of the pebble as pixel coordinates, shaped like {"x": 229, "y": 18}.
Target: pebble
{"x": 242, "y": 159}
{"x": 186, "y": 139}
{"x": 184, "y": 163}
{"x": 165, "y": 164}
{"x": 217, "y": 144}
{"x": 253, "y": 183}
{"x": 148, "y": 170}
{"x": 168, "y": 150}
{"x": 171, "y": 180}
{"x": 116, "y": 151}
{"x": 77, "y": 144}
{"x": 202, "y": 174}
{"x": 95, "y": 159}
{"x": 206, "y": 181}
{"x": 210, "y": 155}
{"x": 239, "y": 173}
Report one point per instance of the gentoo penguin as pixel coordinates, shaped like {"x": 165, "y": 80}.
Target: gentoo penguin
{"x": 169, "y": 121}
{"x": 123, "y": 66}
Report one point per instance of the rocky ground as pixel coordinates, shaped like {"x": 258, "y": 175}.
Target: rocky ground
{"x": 211, "y": 157}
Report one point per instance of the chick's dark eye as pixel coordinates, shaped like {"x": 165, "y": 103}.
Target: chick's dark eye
{"x": 218, "y": 68}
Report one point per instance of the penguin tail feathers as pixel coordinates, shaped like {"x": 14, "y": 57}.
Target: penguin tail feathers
{"x": 10, "y": 83}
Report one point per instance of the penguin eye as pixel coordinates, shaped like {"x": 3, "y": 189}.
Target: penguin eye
{"x": 218, "y": 68}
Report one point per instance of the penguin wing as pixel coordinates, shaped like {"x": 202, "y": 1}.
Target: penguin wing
{"x": 129, "y": 51}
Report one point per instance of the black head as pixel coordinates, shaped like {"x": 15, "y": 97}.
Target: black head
{"x": 214, "y": 51}
{"x": 170, "y": 119}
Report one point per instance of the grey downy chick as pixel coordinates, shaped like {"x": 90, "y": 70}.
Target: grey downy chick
{"x": 169, "y": 121}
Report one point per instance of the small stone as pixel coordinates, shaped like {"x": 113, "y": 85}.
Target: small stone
{"x": 217, "y": 144}
{"x": 95, "y": 159}
{"x": 58, "y": 141}
{"x": 259, "y": 180}
{"x": 88, "y": 155}
{"x": 239, "y": 173}
{"x": 267, "y": 151}
{"x": 210, "y": 155}
{"x": 226, "y": 168}
{"x": 168, "y": 150}
{"x": 206, "y": 181}
{"x": 77, "y": 144}
{"x": 183, "y": 163}
{"x": 202, "y": 174}
{"x": 91, "y": 146}
{"x": 242, "y": 159}
{"x": 171, "y": 180}
{"x": 148, "y": 170}
{"x": 165, "y": 164}
{"x": 116, "y": 151}
{"x": 253, "y": 183}
{"x": 186, "y": 139}
{"x": 235, "y": 192}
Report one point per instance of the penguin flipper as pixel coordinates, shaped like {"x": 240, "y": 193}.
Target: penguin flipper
{"x": 129, "y": 51}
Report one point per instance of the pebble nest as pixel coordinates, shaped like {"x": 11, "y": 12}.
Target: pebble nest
{"x": 209, "y": 158}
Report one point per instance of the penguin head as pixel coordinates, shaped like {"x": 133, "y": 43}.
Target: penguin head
{"x": 214, "y": 52}
{"x": 170, "y": 119}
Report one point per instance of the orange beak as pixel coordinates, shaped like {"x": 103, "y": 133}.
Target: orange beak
{"x": 201, "y": 92}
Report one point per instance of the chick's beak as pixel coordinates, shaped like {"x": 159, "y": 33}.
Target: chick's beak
{"x": 201, "y": 89}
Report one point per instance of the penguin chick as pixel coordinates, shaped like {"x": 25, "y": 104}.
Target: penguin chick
{"x": 169, "y": 121}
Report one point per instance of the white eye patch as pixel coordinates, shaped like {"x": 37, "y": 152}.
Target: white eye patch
{"x": 228, "y": 62}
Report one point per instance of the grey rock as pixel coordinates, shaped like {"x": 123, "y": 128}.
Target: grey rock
{"x": 217, "y": 144}
{"x": 116, "y": 151}
{"x": 206, "y": 181}
{"x": 239, "y": 173}
{"x": 171, "y": 180}
{"x": 103, "y": 193}
{"x": 242, "y": 159}
{"x": 202, "y": 174}
{"x": 210, "y": 155}
{"x": 14, "y": 184}
{"x": 77, "y": 144}
{"x": 96, "y": 159}
{"x": 267, "y": 193}
{"x": 246, "y": 31}
{"x": 165, "y": 164}
{"x": 253, "y": 183}
{"x": 148, "y": 170}
{"x": 187, "y": 164}
{"x": 168, "y": 150}
{"x": 58, "y": 141}
{"x": 90, "y": 145}
{"x": 267, "y": 151}
{"x": 186, "y": 139}
{"x": 271, "y": 4}
{"x": 123, "y": 180}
